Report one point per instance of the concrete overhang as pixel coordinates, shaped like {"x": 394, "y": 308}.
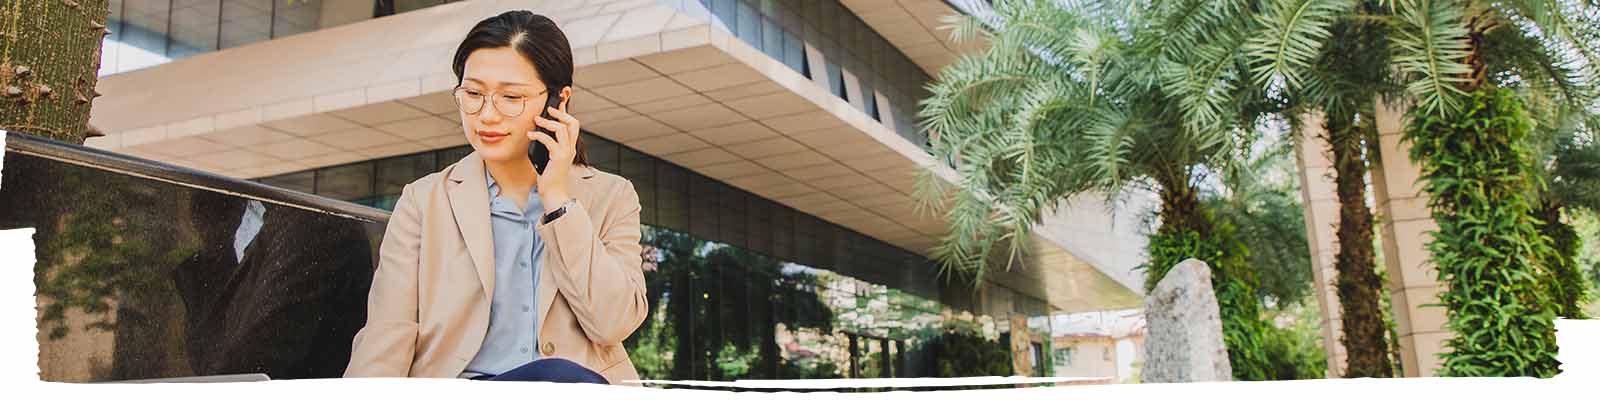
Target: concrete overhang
{"x": 916, "y": 27}
{"x": 655, "y": 76}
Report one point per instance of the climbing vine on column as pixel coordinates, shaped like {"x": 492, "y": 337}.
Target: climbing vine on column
{"x": 1476, "y": 168}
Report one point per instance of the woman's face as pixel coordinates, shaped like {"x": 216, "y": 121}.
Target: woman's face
{"x": 497, "y": 72}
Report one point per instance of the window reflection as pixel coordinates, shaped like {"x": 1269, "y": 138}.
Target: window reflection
{"x": 245, "y": 22}
{"x": 740, "y": 287}
{"x": 145, "y": 33}
{"x": 194, "y": 27}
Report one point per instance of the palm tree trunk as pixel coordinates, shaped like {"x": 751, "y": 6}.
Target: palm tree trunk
{"x": 1358, "y": 282}
{"x": 49, "y": 60}
{"x": 1180, "y": 208}
{"x": 1181, "y": 223}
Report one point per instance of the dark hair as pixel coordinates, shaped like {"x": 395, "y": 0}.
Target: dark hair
{"x": 536, "y": 38}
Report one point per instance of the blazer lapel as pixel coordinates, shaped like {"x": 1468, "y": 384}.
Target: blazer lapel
{"x": 469, "y": 202}
{"x": 547, "y": 285}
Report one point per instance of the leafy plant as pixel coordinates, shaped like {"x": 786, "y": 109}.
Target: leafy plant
{"x": 1295, "y": 351}
{"x": 1477, "y": 172}
{"x": 966, "y": 352}
{"x": 1231, "y": 279}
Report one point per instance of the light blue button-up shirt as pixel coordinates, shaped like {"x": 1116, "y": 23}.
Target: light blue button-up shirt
{"x": 513, "y": 327}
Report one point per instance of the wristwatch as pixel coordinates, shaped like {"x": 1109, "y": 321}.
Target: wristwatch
{"x": 558, "y": 212}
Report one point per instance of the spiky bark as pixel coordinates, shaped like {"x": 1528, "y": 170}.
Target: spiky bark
{"x": 1358, "y": 282}
{"x": 49, "y": 57}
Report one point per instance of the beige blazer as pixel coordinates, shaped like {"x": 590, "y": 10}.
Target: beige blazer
{"x": 428, "y": 310}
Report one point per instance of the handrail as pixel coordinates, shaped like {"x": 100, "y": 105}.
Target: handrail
{"x": 23, "y": 143}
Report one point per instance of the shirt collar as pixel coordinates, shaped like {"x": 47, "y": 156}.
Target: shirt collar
{"x": 494, "y": 188}
{"x": 494, "y": 194}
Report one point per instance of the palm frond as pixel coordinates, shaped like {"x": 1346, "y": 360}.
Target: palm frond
{"x": 1290, "y": 36}
{"x": 1432, "y": 45}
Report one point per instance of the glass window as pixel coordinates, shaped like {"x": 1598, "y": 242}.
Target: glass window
{"x": 300, "y": 181}
{"x": 640, "y": 169}
{"x": 672, "y": 201}
{"x": 788, "y": 19}
{"x": 875, "y": 54}
{"x": 401, "y": 6}
{"x": 782, "y": 226}
{"x": 732, "y": 214}
{"x": 289, "y": 18}
{"x": 451, "y": 155}
{"x": 749, "y": 25}
{"x": 771, "y": 38}
{"x": 245, "y": 22}
{"x": 144, "y": 34}
{"x": 794, "y": 54}
{"x": 846, "y": 33}
{"x": 806, "y": 240}
{"x": 704, "y": 209}
{"x": 194, "y": 27}
{"x": 828, "y": 17}
{"x": 811, "y": 13}
{"x": 111, "y": 45}
{"x": 836, "y": 81}
{"x": 758, "y": 225}
{"x": 727, "y": 11}
{"x": 395, "y": 173}
{"x": 347, "y": 182}
{"x": 872, "y": 103}
{"x": 601, "y": 153}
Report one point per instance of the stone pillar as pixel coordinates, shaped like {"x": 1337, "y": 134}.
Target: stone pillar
{"x": 1412, "y": 281}
{"x": 1320, "y": 202}
{"x": 1185, "y": 328}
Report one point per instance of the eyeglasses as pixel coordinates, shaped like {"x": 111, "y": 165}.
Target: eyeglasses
{"x": 508, "y": 104}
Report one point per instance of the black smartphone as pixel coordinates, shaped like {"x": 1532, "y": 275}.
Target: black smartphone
{"x": 537, "y": 152}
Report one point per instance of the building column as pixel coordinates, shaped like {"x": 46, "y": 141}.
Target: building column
{"x": 1412, "y": 280}
{"x": 1320, "y": 202}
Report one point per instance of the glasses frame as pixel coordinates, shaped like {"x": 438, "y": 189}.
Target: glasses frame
{"x": 488, "y": 100}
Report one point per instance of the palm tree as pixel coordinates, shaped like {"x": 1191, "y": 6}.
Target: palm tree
{"x": 1088, "y": 97}
{"x": 1259, "y": 197}
{"x": 1332, "y": 58}
{"x": 1452, "y": 56}
{"x": 1570, "y": 161}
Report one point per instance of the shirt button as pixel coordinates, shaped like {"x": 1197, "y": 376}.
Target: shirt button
{"x": 524, "y": 350}
{"x": 525, "y": 308}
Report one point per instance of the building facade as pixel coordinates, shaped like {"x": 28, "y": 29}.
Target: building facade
{"x": 773, "y": 143}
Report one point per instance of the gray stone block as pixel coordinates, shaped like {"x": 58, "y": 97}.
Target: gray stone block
{"x": 1184, "y": 342}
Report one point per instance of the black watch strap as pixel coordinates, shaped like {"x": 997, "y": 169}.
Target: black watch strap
{"x": 556, "y": 213}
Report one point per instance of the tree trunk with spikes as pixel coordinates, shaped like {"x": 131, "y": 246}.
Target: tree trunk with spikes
{"x": 49, "y": 60}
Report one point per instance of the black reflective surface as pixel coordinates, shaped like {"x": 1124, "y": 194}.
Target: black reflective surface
{"x": 140, "y": 277}
{"x": 143, "y": 274}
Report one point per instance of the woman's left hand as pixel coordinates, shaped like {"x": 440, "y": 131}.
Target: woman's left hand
{"x": 563, "y": 148}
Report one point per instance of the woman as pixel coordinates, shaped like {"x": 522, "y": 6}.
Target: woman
{"x": 491, "y": 264}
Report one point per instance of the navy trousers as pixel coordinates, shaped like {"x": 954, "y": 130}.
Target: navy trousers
{"x": 548, "y": 370}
